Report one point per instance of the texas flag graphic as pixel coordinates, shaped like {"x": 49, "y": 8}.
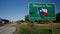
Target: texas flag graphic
{"x": 43, "y": 11}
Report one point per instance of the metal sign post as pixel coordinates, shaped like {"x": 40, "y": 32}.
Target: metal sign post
{"x": 50, "y": 21}
{"x": 42, "y": 11}
{"x": 52, "y": 27}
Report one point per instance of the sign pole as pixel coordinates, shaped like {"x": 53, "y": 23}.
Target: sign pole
{"x": 42, "y": 12}
{"x": 31, "y": 26}
{"x": 50, "y": 21}
{"x": 52, "y": 27}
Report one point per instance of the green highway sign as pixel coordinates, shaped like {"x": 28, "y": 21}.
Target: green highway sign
{"x": 41, "y": 11}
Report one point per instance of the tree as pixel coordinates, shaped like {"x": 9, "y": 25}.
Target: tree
{"x": 27, "y": 18}
{"x": 58, "y": 17}
{"x": 22, "y": 21}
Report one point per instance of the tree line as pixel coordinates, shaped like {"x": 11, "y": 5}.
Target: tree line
{"x": 44, "y": 21}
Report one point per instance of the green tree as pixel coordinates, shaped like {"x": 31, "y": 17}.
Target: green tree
{"x": 27, "y": 18}
{"x": 22, "y": 21}
{"x": 57, "y": 18}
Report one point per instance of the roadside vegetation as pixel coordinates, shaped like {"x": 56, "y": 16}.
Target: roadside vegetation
{"x": 39, "y": 27}
{"x": 24, "y": 28}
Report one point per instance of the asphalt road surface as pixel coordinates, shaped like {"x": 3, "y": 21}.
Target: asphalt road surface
{"x": 7, "y": 29}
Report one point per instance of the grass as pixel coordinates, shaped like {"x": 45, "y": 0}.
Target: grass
{"x": 37, "y": 29}
{"x": 57, "y": 31}
{"x": 25, "y": 29}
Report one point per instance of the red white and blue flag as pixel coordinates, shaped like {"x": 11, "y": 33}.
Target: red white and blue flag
{"x": 43, "y": 11}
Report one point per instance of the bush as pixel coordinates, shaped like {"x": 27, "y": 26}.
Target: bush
{"x": 26, "y": 29}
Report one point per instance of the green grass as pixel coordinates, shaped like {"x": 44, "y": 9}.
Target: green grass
{"x": 57, "y": 31}
{"x": 26, "y": 29}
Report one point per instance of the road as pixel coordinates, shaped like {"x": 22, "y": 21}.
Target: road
{"x": 7, "y": 29}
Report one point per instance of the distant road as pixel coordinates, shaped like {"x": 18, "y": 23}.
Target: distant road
{"x": 7, "y": 29}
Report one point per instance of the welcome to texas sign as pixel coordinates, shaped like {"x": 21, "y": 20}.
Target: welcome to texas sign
{"x": 41, "y": 11}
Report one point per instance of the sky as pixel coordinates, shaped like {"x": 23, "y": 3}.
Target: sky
{"x": 17, "y": 9}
